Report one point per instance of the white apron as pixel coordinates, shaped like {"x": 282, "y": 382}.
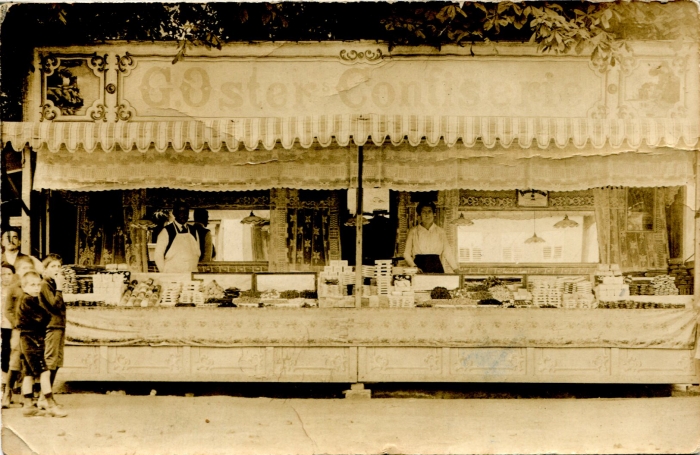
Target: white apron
{"x": 183, "y": 255}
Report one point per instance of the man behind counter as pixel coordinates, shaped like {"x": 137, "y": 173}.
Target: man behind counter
{"x": 426, "y": 245}
{"x": 177, "y": 250}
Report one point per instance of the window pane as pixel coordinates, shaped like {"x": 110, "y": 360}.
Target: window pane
{"x": 503, "y": 237}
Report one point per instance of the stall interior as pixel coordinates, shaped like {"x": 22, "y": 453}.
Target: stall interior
{"x": 601, "y": 248}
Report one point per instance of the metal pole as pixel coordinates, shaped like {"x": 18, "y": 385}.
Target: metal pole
{"x": 26, "y": 246}
{"x": 358, "y": 232}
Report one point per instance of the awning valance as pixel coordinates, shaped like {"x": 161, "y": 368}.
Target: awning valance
{"x": 342, "y": 130}
{"x": 403, "y": 168}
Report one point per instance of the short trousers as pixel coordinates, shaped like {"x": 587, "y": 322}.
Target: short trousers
{"x": 32, "y": 347}
{"x": 15, "y": 354}
{"x": 55, "y": 342}
{"x": 6, "y": 350}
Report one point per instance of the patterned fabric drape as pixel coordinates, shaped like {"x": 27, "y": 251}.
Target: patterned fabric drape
{"x": 309, "y": 236}
{"x": 134, "y": 203}
{"x": 260, "y": 240}
{"x": 100, "y": 236}
{"x": 631, "y": 249}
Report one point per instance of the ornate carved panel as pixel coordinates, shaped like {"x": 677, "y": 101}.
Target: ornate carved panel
{"x": 661, "y": 362}
{"x": 232, "y": 200}
{"x": 572, "y": 361}
{"x": 488, "y": 361}
{"x": 82, "y": 360}
{"x": 145, "y": 359}
{"x": 248, "y": 361}
{"x": 73, "y": 87}
{"x": 401, "y": 363}
{"x": 506, "y": 200}
{"x": 322, "y": 363}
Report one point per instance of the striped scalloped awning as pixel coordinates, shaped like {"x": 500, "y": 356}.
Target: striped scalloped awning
{"x": 256, "y": 133}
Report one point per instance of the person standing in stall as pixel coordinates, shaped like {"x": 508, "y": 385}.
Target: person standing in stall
{"x": 203, "y": 235}
{"x": 427, "y": 247}
{"x": 177, "y": 249}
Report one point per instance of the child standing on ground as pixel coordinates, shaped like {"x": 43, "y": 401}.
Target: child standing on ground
{"x": 8, "y": 273}
{"x": 23, "y": 264}
{"x": 51, "y": 297}
{"x": 32, "y": 321}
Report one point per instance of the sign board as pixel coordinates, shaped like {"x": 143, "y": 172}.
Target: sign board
{"x": 211, "y": 88}
{"x": 16, "y": 221}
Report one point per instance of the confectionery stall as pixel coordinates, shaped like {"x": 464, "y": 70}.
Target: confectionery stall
{"x": 567, "y": 194}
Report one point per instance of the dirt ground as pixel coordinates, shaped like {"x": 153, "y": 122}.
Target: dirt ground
{"x": 215, "y": 424}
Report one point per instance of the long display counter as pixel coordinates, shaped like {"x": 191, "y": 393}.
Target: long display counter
{"x": 382, "y": 345}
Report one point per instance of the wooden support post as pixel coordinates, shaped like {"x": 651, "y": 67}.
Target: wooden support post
{"x": 26, "y": 247}
{"x": 358, "y": 232}
{"x": 696, "y": 258}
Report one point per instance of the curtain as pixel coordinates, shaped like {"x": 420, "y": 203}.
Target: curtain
{"x": 633, "y": 249}
{"x": 308, "y": 231}
{"x": 260, "y": 240}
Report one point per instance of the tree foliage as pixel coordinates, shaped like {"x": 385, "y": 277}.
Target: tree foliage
{"x": 602, "y": 29}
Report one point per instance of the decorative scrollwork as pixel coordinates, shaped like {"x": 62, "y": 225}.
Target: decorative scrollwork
{"x": 125, "y": 62}
{"x": 572, "y": 201}
{"x": 476, "y": 201}
{"x": 123, "y": 112}
{"x": 48, "y": 111}
{"x": 98, "y": 62}
{"x": 353, "y": 55}
{"x": 98, "y": 112}
{"x": 111, "y": 89}
{"x": 599, "y": 112}
{"x": 625, "y": 112}
{"x": 48, "y": 64}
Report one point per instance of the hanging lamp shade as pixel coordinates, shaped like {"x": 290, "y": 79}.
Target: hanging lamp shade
{"x": 252, "y": 219}
{"x": 535, "y": 238}
{"x": 566, "y": 223}
{"x": 461, "y": 221}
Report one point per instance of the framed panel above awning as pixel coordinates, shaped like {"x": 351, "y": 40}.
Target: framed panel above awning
{"x": 345, "y": 130}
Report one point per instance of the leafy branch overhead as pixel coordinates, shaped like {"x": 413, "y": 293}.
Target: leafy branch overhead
{"x": 602, "y": 29}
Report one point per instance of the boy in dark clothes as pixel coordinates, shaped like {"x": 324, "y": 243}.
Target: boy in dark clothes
{"x": 51, "y": 298}
{"x": 23, "y": 264}
{"x": 32, "y": 320}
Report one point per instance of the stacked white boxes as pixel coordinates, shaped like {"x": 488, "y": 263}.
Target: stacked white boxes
{"x": 546, "y": 291}
{"x": 170, "y": 294}
{"x": 333, "y": 281}
{"x": 577, "y": 293}
{"x": 611, "y": 285}
{"x": 401, "y": 294}
{"x": 192, "y": 293}
{"x": 383, "y": 276}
